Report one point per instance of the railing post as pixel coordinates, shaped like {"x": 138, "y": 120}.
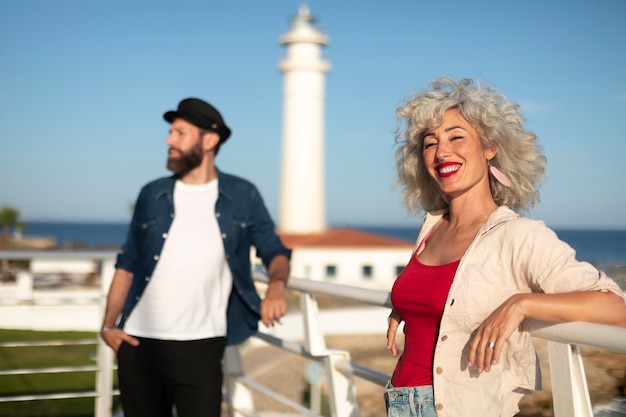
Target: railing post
{"x": 313, "y": 335}
{"x": 239, "y": 396}
{"x": 24, "y": 286}
{"x": 341, "y": 387}
{"x": 570, "y": 394}
{"x": 316, "y": 345}
{"x": 104, "y": 376}
{"x": 343, "y": 400}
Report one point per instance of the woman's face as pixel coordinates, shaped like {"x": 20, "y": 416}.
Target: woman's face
{"x": 454, "y": 156}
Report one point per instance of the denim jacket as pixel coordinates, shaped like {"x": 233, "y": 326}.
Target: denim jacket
{"x": 243, "y": 221}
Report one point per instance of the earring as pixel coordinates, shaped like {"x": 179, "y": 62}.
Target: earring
{"x": 498, "y": 175}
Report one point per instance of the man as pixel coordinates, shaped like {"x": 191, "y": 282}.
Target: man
{"x": 182, "y": 287}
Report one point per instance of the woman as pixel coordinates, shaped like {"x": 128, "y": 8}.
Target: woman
{"x": 479, "y": 269}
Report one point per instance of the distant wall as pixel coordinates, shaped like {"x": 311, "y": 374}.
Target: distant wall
{"x": 63, "y": 266}
{"x": 51, "y": 317}
{"x": 23, "y": 307}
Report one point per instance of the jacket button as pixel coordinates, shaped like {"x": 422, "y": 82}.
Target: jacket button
{"x": 164, "y": 235}
{"x": 439, "y": 370}
{"x": 156, "y": 257}
{"x": 147, "y": 279}
{"x": 218, "y": 215}
{"x": 444, "y": 338}
{"x": 223, "y": 235}
{"x": 439, "y": 406}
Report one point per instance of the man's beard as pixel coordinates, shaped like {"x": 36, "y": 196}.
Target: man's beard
{"x": 187, "y": 161}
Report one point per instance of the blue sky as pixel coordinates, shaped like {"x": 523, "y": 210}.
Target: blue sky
{"x": 84, "y": 84}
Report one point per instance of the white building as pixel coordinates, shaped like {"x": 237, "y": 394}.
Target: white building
{"x": 349, "y": 257}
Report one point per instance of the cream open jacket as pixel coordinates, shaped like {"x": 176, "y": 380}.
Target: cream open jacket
{"x": 509, "y": 255}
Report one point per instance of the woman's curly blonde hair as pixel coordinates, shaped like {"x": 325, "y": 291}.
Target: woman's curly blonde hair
{"x": 499, "y": 124}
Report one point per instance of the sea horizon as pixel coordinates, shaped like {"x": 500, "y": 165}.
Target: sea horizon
{"x": 599, "y": 246}
{"x": 416, "y": 224}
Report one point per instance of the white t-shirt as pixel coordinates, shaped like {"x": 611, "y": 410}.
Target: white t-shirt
{"x": 187, "y": 296}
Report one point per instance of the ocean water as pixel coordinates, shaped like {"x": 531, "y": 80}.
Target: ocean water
{"x": 600, "y": 247}
{"x": 89, "y": 235}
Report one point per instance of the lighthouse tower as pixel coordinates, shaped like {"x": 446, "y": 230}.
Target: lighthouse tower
{"x": 302, "y": 201}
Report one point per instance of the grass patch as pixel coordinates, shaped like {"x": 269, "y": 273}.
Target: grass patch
{"x": 49, "y": 383}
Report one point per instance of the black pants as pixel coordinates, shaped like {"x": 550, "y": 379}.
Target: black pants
{"x": 160, "y": 374}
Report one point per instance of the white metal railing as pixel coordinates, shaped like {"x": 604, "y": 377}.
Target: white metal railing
{"x": 51, "y": 370}
{"x": 105, "y": 366}
{"x": 569, "y": 389}
{"x": 570, "y": 394}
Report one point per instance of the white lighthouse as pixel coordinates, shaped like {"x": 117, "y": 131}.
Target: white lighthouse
{"x": 302, "y": 192}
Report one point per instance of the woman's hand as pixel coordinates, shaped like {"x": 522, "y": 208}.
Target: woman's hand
{"x": 589, "y": 306}
{"x": 486, "y": 345}
{"x": 393, "y": 322}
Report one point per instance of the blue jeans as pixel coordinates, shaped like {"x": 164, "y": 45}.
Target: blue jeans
{"x": 410, "y": 401}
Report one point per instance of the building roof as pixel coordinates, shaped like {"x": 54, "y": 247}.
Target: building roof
{"x": 342, "y": 237}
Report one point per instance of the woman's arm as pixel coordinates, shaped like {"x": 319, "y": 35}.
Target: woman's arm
{"x": 601, "y": 307}
{"x": 393, "y": 322}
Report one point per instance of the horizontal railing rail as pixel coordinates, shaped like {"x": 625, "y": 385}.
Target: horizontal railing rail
{"x": 51, "y": 370}
{"x": 610, "y": 338}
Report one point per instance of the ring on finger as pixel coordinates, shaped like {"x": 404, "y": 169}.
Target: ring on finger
{"x": 490, "y": 345}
